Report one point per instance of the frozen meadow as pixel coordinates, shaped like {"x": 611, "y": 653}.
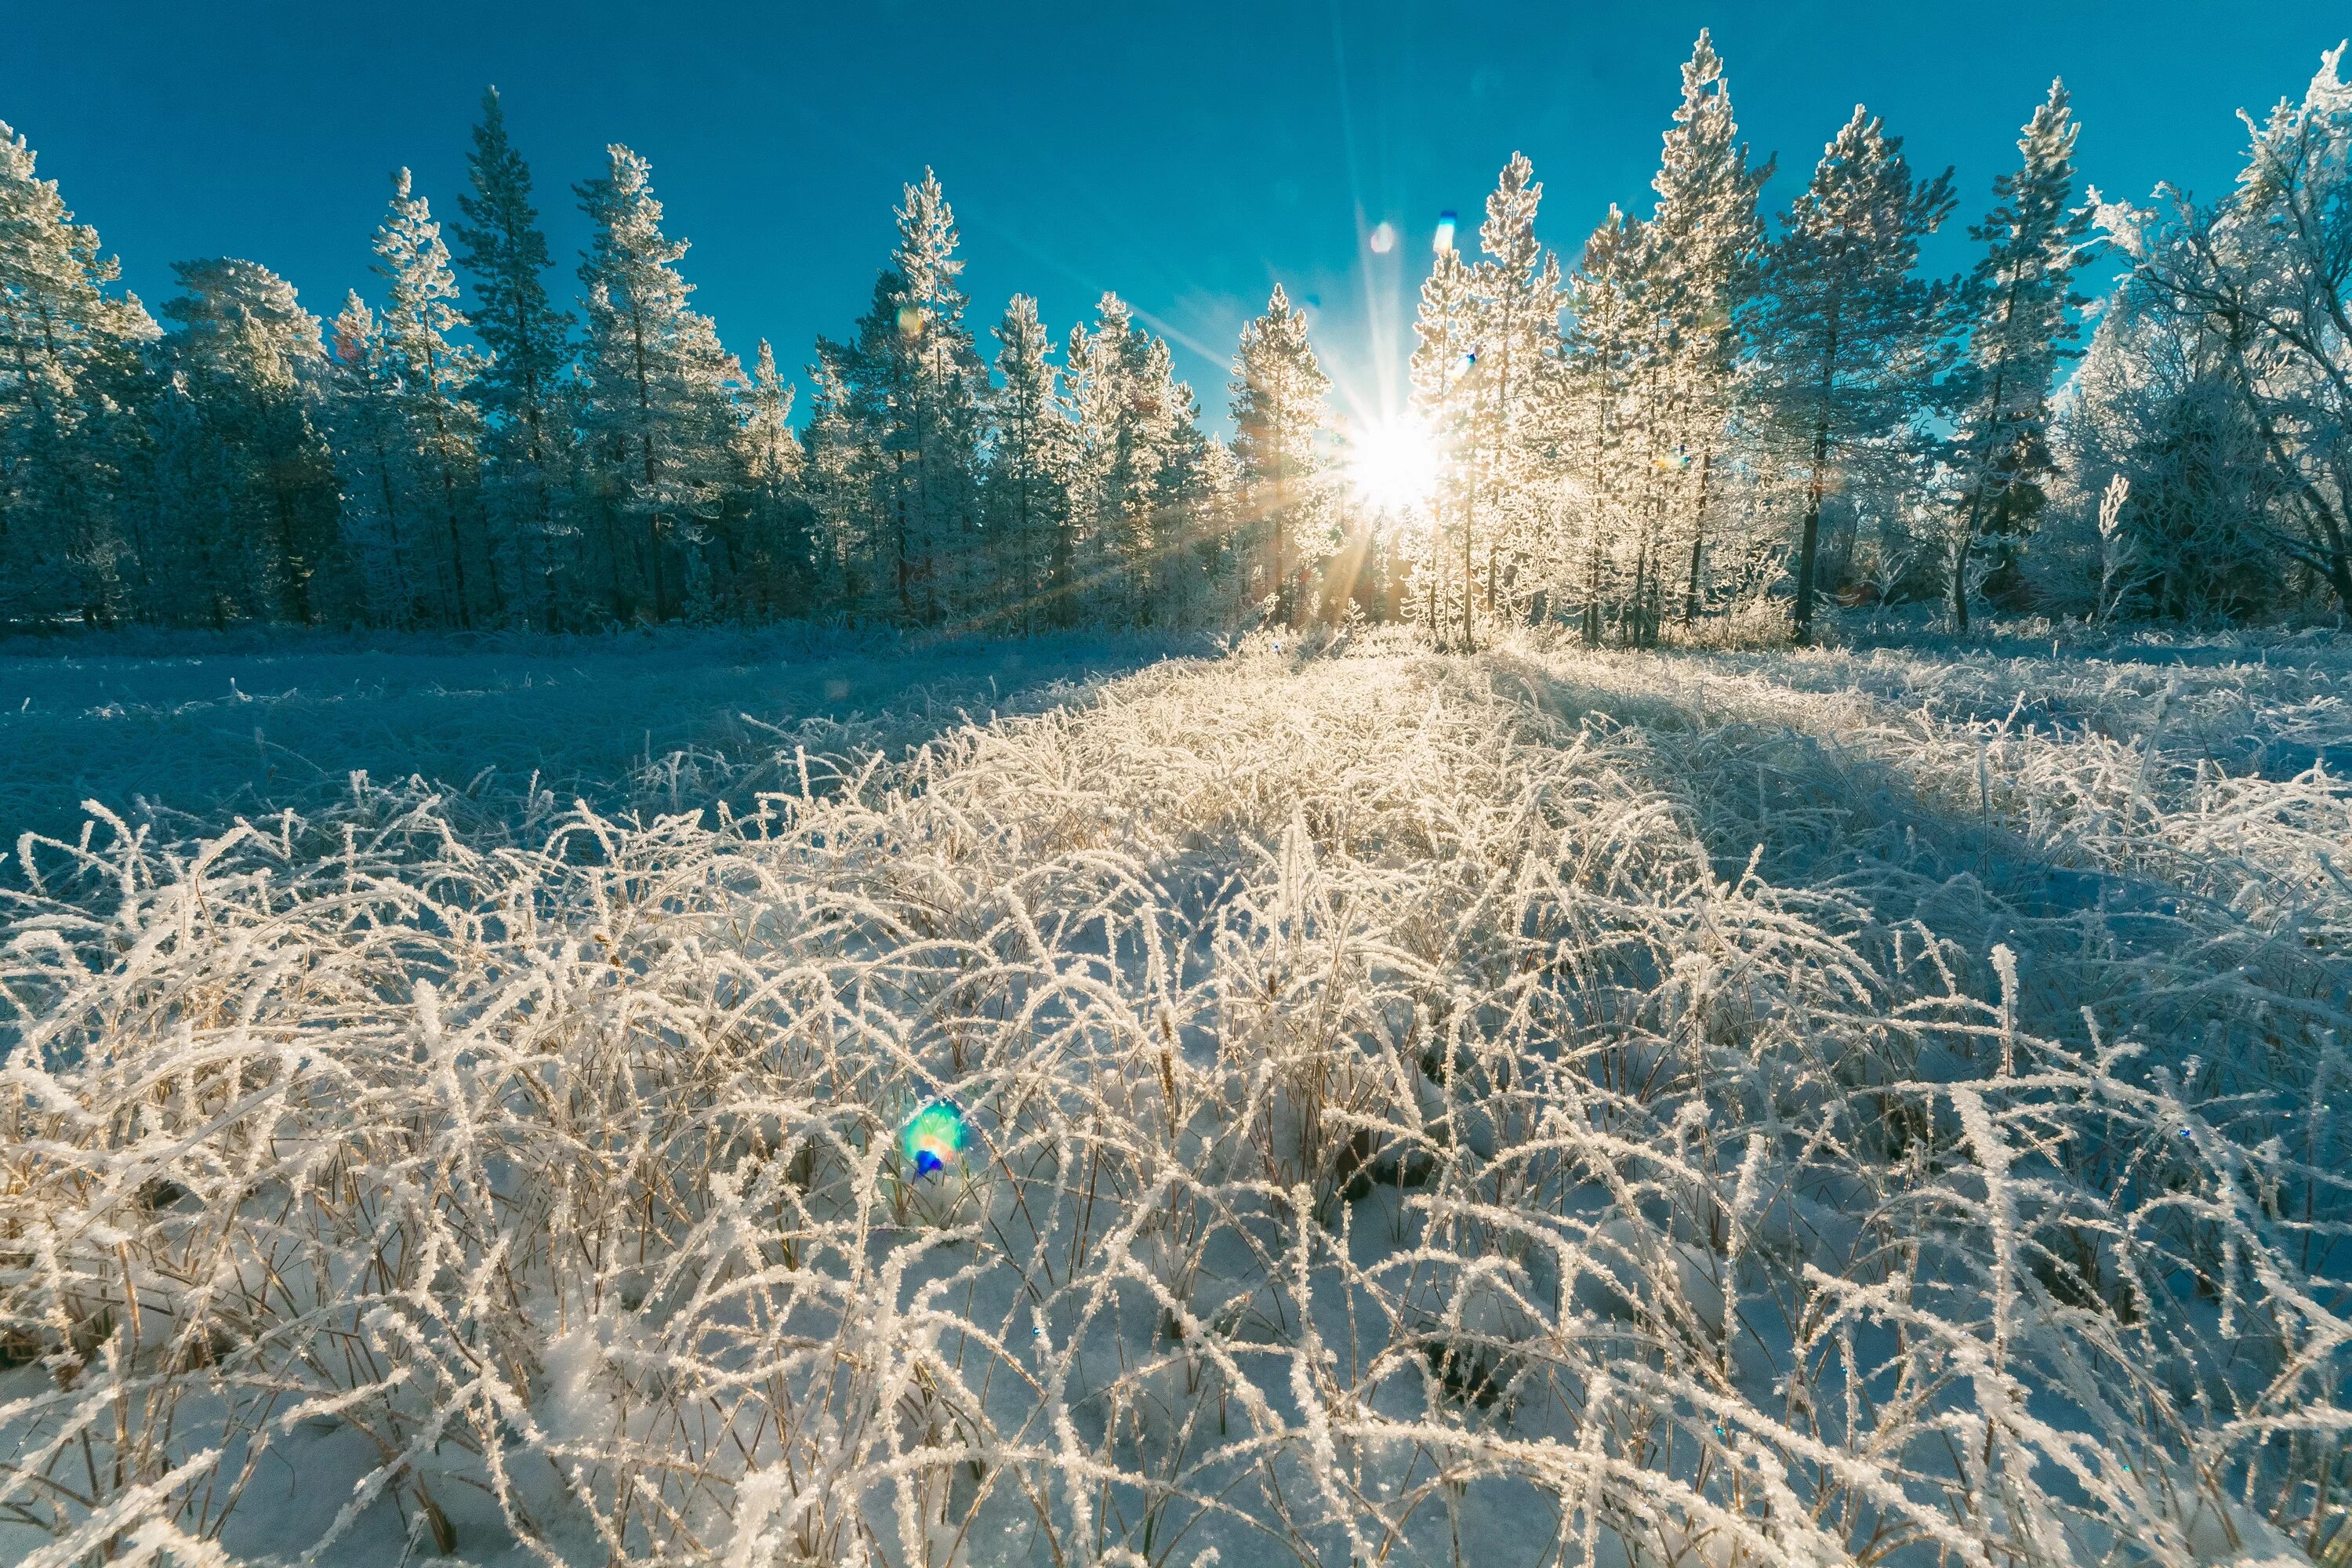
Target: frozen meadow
{"x": 1535, "y": 1107}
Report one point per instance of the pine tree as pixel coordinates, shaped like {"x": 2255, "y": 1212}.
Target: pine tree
{"x": 430, "y": 378}
{"x": 1516, "y": 288}
{"x": 71, "y": 383}
{"x": 655, "y": 411}
{"x": 1599, "y": 351}
{"x": 1846, "y": 337}
{"x": 1279, "y": 422}
{"x": 505, "y": 257}
{"x": 1704, "y": 238}
{"x": 372, "y": 444}
{"x": 1027, "y": 496}
{"x": 1443, "y": 357}
{"x": 2017, "y": 302}
{"x": 249, "y": 359}
{"x": 1128, "y": 414}
{"x": 773, "y": 567}
{"x": 842, "y": 481}
{"x": 912, "y": 382}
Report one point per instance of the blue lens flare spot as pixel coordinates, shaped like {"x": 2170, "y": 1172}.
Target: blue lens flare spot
{"x": 934, "y": 1137}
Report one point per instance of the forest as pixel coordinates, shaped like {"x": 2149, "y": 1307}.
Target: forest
{"x": 1705, "y": 421}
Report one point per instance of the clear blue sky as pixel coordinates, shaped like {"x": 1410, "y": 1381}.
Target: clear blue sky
{"x": 1187, "y": 155}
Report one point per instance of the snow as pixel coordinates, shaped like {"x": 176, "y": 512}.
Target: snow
{"x": 1528, "y": 1107}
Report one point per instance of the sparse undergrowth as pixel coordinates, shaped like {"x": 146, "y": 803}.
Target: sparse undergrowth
{"x": 1537, "y": 1107}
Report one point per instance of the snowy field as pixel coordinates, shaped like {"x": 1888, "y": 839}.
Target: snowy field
{"x": 207, "y": 725}
{"x": 1525, "y": 1109}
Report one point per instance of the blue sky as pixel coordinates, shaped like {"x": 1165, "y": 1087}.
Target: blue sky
{"x": 1188, "y": 156}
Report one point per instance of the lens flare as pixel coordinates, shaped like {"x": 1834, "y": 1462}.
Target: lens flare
{"x": 1445, "y": 241}
{"x": 1383, "y": 239}
{"x": 934, "y": 1137}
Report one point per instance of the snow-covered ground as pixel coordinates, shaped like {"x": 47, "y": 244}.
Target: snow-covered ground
{"x": 207, "y": 725}
{"x": 1529, "y": 1108}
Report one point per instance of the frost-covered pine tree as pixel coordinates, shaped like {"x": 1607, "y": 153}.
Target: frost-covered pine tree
{"x": 1442, "y": 361}
{"x": 770, "y": 563}
{"x": 2017, "y": 303}
{"x": 248, "y": 360}
{"x": 1027, "y": 481}
{"x": 1607, "y": 318}
{"x": 655, "y": 409}
{"x": 842, "y": 483}
{"x": 430, "y": 379}
{"x": 1280, "y": 422}
{"x": 379, "y": 531}
{"x": 1130, "y": 415}
{"x": 504, "y": 255}
{"x": 913, "y": 382}
{"x": 1516, "y": 290}
{"x": 1704, "y": 241}
{"x": 1846, "y": 338}
{"x": 72, "y": 384}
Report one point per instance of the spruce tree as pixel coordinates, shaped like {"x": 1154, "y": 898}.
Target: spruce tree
{"x": 430, "y": 380}
{"x": 912, "y": 382}
{"x": 1441, "y": 360}
{"x": 2018, "y": 302}
{"x": 655, "y": 408}
{"x": 1704, "y": 238}
{"x": 1027, "y": 496}
{"x": 1516, "y": 288}
{"x": 249, "y": 359}
{"x": 1846, "y": 337}
{"x": 773, "y": 567}
{"x": 72, "y": 382}
{"x": 372, "y": 446}
{"x": 504, "y": 255}
{"x": 1279, "y": 420}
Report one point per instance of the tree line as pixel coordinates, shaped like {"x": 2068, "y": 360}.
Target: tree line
{"x": 1703, "y": 415}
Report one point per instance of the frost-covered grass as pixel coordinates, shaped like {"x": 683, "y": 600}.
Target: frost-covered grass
{"x": 1537, "y": 1107}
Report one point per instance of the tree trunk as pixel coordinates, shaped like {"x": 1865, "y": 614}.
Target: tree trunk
{"x": 1698, "y": 536}
{"x": 1808, "y": 545}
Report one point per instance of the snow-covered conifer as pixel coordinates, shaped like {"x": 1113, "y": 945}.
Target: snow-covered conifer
{"x": 2018, "y": 304}
{"x": 1027, "y": 498}
{"x": 71, "y": 380}
{"x": 1846, "y": 337}
{"x": 655, "y": 410}
{"x": 503, "y": 253}
{"x": 1280, "y": 423}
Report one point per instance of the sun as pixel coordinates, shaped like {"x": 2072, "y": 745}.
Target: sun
{"x": 1393, "y": 465}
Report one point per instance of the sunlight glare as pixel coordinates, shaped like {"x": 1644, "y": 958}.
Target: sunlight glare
{"x": 1394, "y": 464}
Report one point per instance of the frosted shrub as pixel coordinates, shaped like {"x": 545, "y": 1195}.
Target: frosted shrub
{"x": 1422, "y": 1109}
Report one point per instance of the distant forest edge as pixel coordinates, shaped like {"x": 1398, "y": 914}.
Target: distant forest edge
{"x": 1700, "y": 417}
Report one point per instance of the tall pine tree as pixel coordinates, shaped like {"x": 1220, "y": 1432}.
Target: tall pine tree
{"x": 1027, "y": 498}
{"x": 71, "y": 385}
{"x": 1846, "y": 337}
{"x": 1279, "y": 423}
{"x": 249, "y": 359}
{"x": 1705, "y": 236}
{"x": 505, "y": 257}
{"x": 655, "y": 408}
{"x": 430, "y": 382}
{"x": 2018, "y": 301}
